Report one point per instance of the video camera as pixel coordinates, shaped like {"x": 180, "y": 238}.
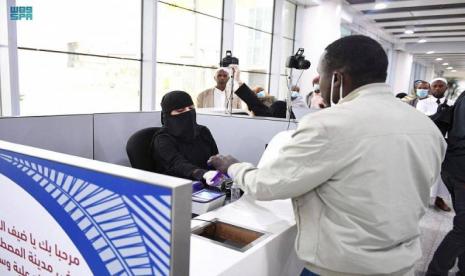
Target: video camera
{"x": 298, "y": 61}
{"x": 229, "y": 59}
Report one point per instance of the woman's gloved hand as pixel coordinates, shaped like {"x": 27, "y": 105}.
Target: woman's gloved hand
{"x": 209, "y": 176}
{"x": 197, "y": 174}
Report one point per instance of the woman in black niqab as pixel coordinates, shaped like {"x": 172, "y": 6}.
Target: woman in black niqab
{"x": 182, "y": 147}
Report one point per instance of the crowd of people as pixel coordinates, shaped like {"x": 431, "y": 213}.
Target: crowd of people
{"x": 260, "y": 102}
{"x": 360, "y": 180}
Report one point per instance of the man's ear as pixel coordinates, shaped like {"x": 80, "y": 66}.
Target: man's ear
{"x": 338, "y": 77}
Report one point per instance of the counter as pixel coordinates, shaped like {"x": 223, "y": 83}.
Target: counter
{"x": 274, "y": 254}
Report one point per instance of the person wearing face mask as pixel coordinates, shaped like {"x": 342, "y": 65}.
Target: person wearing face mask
{"x": 253, "y": 102}
{"x": 314, "y": 99}
{"x": 428, "y": 105}
{"x": 422, "y": 90}
{"x": 218, "y": 96}
{"x": 355, "y": 214}
{"x": 182, "y": 147}
{"x": 296, "y": 99}
{"x": 411, "y": 98}
{"x": 265, "y": 98}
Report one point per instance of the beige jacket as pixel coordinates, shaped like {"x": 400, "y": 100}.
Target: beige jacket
{"x": 205, "y": 99}
{"x": 359, "y": 175}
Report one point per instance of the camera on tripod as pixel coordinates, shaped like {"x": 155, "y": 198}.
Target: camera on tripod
{"x": 298, "y": 61}
{"x": 229, "y": 59}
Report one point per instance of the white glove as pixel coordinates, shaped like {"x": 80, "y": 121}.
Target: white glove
{"x": 208, "y": 176}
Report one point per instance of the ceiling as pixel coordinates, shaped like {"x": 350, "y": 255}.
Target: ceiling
{"x": 440, "y": 23}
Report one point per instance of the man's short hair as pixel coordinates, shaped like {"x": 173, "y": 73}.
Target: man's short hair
{"x": 221, "y": 69}
{"x": 359, "y": 56}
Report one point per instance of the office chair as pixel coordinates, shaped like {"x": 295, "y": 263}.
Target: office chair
{"x": 138, "y": 149}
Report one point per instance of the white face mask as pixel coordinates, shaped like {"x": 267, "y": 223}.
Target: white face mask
{"x": 340, "y": 91}
{"x": 422, "y": 93}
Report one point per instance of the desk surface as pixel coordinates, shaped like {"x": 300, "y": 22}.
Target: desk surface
{"x": 274, "y": 255}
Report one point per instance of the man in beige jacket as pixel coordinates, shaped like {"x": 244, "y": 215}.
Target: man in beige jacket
{"x": 359, "y": 172}
{"x": 218, "y": 96}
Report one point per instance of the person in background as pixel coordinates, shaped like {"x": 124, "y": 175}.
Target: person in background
{"x": 264, "y": 97}
{"x": 314, "y": 99}
{"x": 182, "y": 147}
{"x": 429, "y": 105}
{"x": 355, "y": 214}
{"x": 296, "y": 98}
{"x": 257, "y": 107}
{"x": 453, "y": 174}
{"x": 422, "y": 92}
{"x": 438, "y": 89}
{"x": 410, "y": 99}
{"x": 218, "y": 96}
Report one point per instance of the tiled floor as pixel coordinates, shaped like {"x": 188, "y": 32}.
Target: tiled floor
{"x": 434, "y": 226}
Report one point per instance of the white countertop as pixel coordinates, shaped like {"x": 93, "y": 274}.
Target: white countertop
{"x": 274, "y": 255}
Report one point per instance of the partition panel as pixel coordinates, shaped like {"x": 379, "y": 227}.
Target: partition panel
{"x": 112, "y": 131}
{"x": 70, "y": 134}
{"x": 243, "y": 137}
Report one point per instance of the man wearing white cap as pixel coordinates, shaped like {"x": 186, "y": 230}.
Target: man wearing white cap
{"x": 218, "y": 96}
{"x": 429, "y": 106}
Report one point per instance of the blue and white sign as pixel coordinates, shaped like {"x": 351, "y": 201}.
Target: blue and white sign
{"x": 61, "y": 219}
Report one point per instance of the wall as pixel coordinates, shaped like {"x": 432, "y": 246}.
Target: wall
{"x": 103, "y": 137}
{"x": 244, "y": 138}
{"x": 429, "y": 73}
{"x": 66, "y": 134}
{"x": 112, "y": 131}
{"x": 317, "y": 26}
{"x": 401, "y": 72}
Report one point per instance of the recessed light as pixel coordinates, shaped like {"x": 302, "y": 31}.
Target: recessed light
{"x": 445, "y": 63}
{"x": 454, "y": 71}
{"x": 430, "y": 52}
{"x": 422, "y": 41}
{"x": 450, "y": 68}
{"x": 409, "y": 30}
{"x": 380, "y": 6}
{"x": 439, "y": 59}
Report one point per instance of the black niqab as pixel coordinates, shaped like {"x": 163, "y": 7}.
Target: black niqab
{"x": 183, "y": 125}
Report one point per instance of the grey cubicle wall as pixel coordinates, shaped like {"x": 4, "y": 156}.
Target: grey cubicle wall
{"x": 243, "y": 137}
{"x": 103, "y": 137}
{"x": 70, "y": 134}
{"x": 112, "y": 131}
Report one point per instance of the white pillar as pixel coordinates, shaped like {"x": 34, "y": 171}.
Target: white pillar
{"x": 276, "y": 48}
{"x": 429, "y": 73}
{"x": 317, "y": 26}
{"x": 9, "y": 84}
{"x": 228, "y": 27}
{"x": 402, "y": 72}
{"x": 149, "y": 55}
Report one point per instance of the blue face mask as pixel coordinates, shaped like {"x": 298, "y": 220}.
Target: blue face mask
{"x": 422, "y": 93}
{"x": 294, "y": 94}
{"x": 261, "y": 94}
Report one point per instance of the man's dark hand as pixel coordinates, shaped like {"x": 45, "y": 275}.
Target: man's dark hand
{"x": 221, "y": 162}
